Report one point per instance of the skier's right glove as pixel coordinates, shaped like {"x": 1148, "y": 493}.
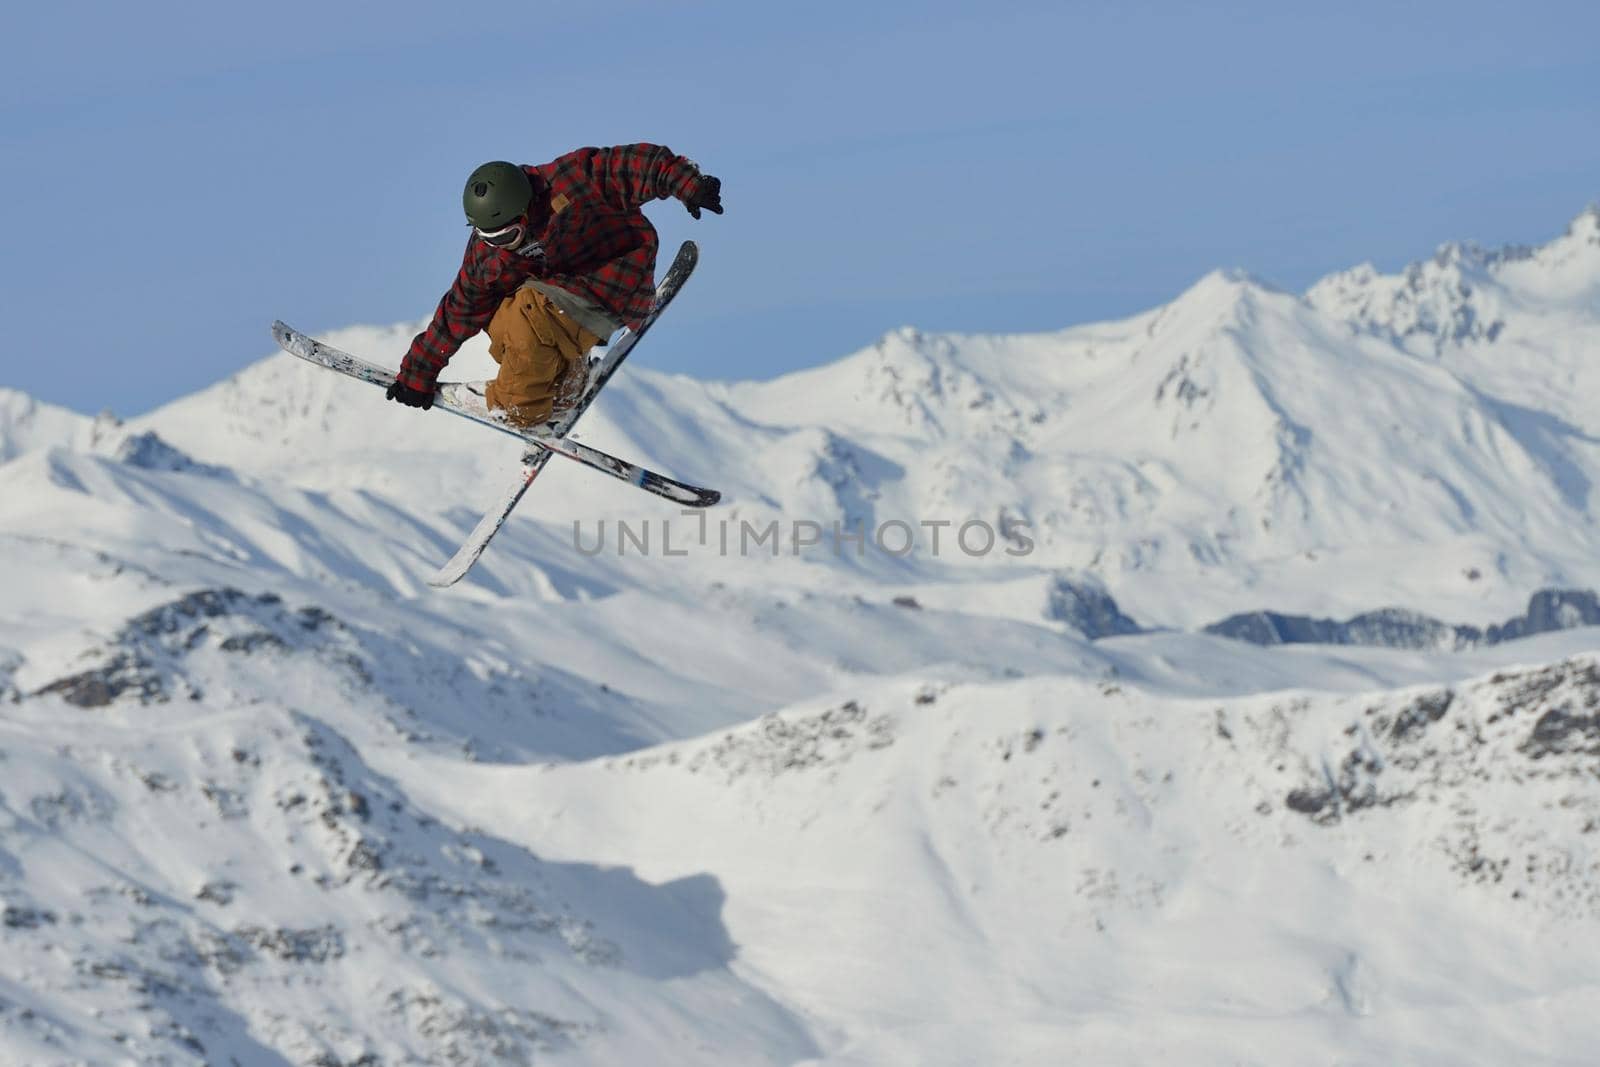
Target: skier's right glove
{"x": 411, "y": 398}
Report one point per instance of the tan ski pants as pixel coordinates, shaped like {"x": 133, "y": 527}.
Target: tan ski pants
{"x": 542, "y": 355}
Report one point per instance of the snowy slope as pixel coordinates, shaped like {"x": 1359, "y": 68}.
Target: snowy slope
{"x": 265, "y": 798}
{"x": 1047, "y": 871}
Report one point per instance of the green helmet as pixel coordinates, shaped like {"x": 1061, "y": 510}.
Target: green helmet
{"x": 496, "y": 194}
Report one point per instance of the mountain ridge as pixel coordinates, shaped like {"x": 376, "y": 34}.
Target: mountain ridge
{"x": 266, "y": 797}
{"x": 1206, "y": 442}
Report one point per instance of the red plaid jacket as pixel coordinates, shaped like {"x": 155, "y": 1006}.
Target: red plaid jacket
{"x": 597, "y": 244}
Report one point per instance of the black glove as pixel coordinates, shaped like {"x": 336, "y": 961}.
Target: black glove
{"x": 411, "y": 398}
{"x": 707, "y": 194}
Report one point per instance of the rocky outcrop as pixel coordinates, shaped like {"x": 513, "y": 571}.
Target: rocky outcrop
{"x": 1548, "y": 610}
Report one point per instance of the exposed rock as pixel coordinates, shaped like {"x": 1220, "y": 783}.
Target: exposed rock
{"x": 140, "y": 659}
{"x": 1560, "y": 732}
{"x": 148, "y": 451}
{"x": 219, "y": 893}
{"x": 1537, "y": 730}
{"x": 468, "y": 1036}
{"x": 1087, "y": 607}
{"x": 22, "y": 917}
{"x": 1548, "y": 610}
{"x": 316, "y": 945}
{"x": 780, "y": 743}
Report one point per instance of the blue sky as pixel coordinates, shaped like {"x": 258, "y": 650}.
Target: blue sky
{"x": 177, "y": 175}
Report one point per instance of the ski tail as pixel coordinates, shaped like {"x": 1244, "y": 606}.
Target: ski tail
{"x": 457, "y": 566}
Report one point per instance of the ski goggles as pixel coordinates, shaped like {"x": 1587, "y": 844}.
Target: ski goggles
{"x": 505, "y": 237}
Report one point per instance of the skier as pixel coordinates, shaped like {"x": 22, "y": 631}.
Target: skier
{"x": 560, "y": 257}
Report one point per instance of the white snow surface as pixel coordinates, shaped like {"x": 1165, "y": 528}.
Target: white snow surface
{"x": 266, "y": 798}
{"x": 27, "y": 424}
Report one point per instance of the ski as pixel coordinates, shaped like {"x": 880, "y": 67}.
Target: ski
{"x": 466, "y": 400}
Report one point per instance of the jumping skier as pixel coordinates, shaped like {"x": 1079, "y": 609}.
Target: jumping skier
{"x": 560, "y": 256}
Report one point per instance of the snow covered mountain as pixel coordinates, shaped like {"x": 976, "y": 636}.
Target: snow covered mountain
{"x": 265, "y": 798}
{"x": 1328, "y": 454}
{"x": 27, "y": 425}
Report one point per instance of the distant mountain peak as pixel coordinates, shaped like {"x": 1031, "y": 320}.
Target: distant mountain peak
{"x": 1429, "y": 305}
{"x": 1226, "y": 284}
{"x": 1581, "y": 238}
{"x": 1466, "y": 294}
{"x": 1587, "y": 223}
{"x": 1218, "y": 299}
{"x": 27, "y": 424}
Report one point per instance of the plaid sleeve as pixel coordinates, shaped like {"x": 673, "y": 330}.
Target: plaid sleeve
{"x": 629, "y": 176}
{"x": 464, "y": 310}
